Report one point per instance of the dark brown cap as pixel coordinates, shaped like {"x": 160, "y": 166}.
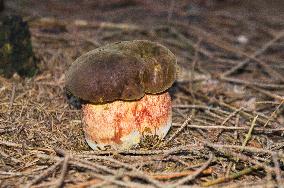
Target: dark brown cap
{"x": 122, "y": 71}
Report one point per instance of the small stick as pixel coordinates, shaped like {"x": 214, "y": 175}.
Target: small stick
{"x": 246, "y": 148}
{"x": 93, "y": 167}
{"x": 231, "y": 128}
{"x": 44, "y": 174}
{"x": 231, "y": 115}
{"x": 194, "y": 175}
{"x": 277, "y": 170}
{"x": 12, "y": 97}
{"x": 262, "y": 85}
{"x": 243, "y": 113}
{"x": 203, "y": 107}
{"x": 107, "y": 178}
{"x": 167, "y": 176}
{"x": 171, "y": 9}
{"x": 238, "y": 156}
{"x": 125, "y": 165}
{"x": 253, "y": 56}
{"x": 93, "y": 182}
{"x": 135, "y": 172}
{"x": 268, "y": 93}
{"x": 188, "y": 147}
{"x": 248, "y": 135}
{"x": 179, "y": 130}
{"x": 4, "y": 155}
{"x": 10, "y": 144}
{"x": 273, "y": 113}
{"x": 63, "y": 172}
{"x": 230, "y": 177}
{"x": 7, "y": 130}
{"x": 227, "y": 174}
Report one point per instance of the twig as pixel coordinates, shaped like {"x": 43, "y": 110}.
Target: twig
{"x": 93, "y": 182}
{"x": 192, "y": 75}
{"x": 135, "y": 172}
{"x": 268, "y": 93}
{"x": 10, "y": 144}
{"x": 248, "y": 135}
{"x": 247, "y": 148}
{"x": 203, "y": 107}
{"x": 262, "y": 85}
{"x": 243, "y": 112}
{"x": 188, "y": 147}
{"x": 272, "y": 73}
{"x": 231, "y": 115}
{"x": 273, "y": 113}
{"x": 44, "y": 184}
{"x": 257, "y": 53}
{"x": 193, "y": 176}
{"x": 226, "y": 120}
{"x": 44, "y": 174}
{"x": 178, "y": 131}
{"x": 188, "y": 43}
{"x": 265, "y": 130}
{"x": 224, "y": 45}
{"x": 12, "y": 96}
{"x": 108, "y": 178}
{"x": 231, "y": 177}
{"x": 170, "y": 11}
{"x": 237, "y": 156}
{"x": 128, "y": 166}
{"x": 93, "y": 167}
{"x": 166, "y": 176}
{"x": 7, "y": 130}
{"x": 277, "y": 170}
{"x": 4, "y": 155}
{"x": 63, "y": 172}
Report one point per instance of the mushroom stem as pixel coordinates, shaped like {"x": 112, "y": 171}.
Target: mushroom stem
{"x": 122, "y": 124}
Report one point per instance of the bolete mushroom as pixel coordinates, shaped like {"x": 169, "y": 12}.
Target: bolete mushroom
{"x": 124, "y": 85}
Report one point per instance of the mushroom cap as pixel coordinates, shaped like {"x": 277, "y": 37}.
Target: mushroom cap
{"x": 122, "y": 71}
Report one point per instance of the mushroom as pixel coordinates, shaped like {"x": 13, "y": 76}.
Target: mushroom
{"x": 124, "y": 86}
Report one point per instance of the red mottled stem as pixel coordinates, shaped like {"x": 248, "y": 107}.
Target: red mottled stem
{"x": 121, "y": 124}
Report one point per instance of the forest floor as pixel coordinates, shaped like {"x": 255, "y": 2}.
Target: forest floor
{"x": 228, "y": 101}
